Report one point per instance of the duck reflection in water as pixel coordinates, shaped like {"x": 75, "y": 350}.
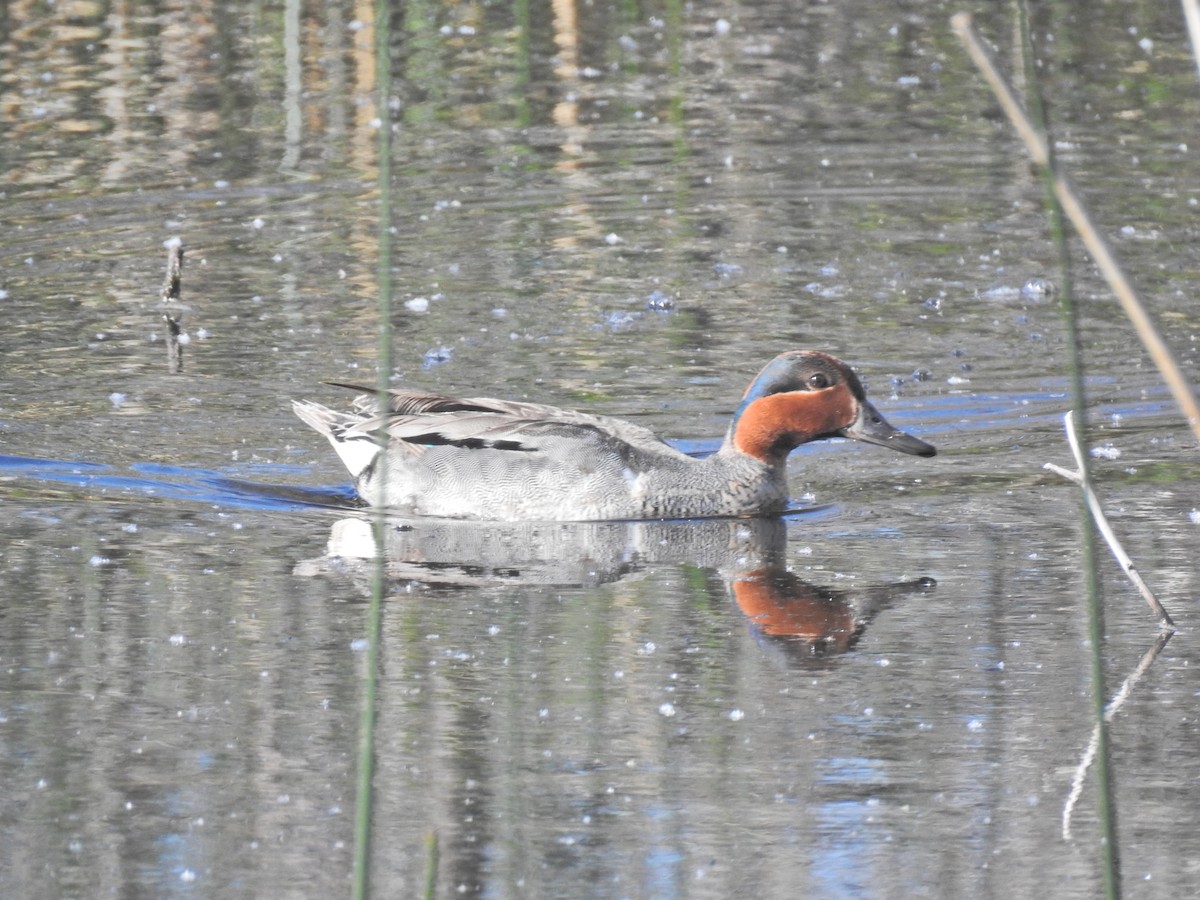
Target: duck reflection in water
{"x": 793, "y": 619}
{"x": 790, "y": 618}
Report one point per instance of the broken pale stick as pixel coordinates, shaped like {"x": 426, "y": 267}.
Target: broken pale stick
{"x": 1093, "y": 502}
{"x": 1071, "y": 200}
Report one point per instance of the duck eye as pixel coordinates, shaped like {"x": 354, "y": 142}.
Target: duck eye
{"x": 819, "y": 381}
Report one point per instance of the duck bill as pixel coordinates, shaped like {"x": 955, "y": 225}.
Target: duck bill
{"x": 872, "y": 428}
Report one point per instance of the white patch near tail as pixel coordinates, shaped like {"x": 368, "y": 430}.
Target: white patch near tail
{"x": 356, "y": 452}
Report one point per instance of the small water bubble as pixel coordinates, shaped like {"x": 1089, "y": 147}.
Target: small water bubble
{"x": 435, "y": 356}
{"x": 417, "y": 304}
{"x": 359, "y": 645}
{"x": 177, "y": 640}
{"x": 666, "y": 709}
{"x": 722, "y": 27}
{"x": 621, "y": 321}
{"x": 660, "y": 301}
{"x": 736, "y": 715}
{"x": 1107, "y": 451}
{"x": 613, "y": 239}
{"x": 257, "y": 224}
{"x": 1038, "y": 289}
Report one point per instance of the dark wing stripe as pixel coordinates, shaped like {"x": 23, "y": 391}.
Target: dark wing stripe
{"x": 434, "y": 439}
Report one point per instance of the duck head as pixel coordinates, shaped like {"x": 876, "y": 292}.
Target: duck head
{"x": 803, "y": 396}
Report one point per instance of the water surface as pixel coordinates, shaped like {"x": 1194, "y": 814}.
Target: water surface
{"x": 628, "y": 209}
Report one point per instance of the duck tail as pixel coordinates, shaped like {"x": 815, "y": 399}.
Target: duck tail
{"x": 356, "y": 449}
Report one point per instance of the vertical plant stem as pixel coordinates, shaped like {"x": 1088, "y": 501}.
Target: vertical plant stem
{"x": 432, "y": 855}
{"x": 1105, "y": 802}
{"x": 366, "y": 748}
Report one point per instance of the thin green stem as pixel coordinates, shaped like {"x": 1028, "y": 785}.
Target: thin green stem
{"x": 1105, "y": 802}
{"x": 366, "y": 747}
{"x": 431, "y": 865}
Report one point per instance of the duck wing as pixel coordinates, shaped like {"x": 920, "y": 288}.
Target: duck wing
{"x": 427, "y": 419}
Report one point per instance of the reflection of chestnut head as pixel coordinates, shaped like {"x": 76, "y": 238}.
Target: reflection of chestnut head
{"x": 811, "y": 621}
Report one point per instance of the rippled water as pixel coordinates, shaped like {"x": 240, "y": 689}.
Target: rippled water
{"x": 626, "y": 209}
